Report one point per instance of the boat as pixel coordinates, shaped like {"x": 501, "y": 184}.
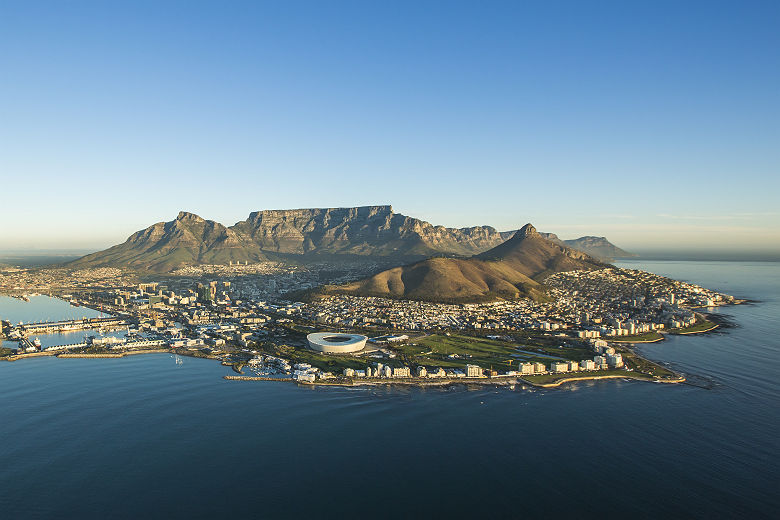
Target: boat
{"x": 37, "y": 343}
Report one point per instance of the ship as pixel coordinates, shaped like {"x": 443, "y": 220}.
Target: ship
{"x": 37, "y": 343}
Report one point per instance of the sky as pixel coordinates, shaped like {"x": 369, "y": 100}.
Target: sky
{"x": 654, "y": 123}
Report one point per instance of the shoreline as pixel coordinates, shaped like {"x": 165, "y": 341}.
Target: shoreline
{"x": 714, "y": 326}
{"x": 111, "y": 355}
{"x": 637, "y": 341}
{"x": 560, "y": 382}
{"x": 17, "y": 357}
{"x": 495, "y": 381}
{"x": 99, "y": 355}
{"x": 492, "y": 381}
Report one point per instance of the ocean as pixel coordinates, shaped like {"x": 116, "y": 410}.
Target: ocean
{"x": 144, "y": 436}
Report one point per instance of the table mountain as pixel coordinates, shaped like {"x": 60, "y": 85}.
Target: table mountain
{"x": 300, "y": 234}
{"x": 366, "y": 230}
{"x": 374, "y": 231}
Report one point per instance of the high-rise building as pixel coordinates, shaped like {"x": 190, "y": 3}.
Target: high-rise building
{"x": 473, "y": 371}
{"x": 207, "y": 293}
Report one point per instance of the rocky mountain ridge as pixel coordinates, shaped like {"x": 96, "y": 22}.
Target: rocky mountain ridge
{"x": 375, "y": 230}
{"x": 366, "y": 231}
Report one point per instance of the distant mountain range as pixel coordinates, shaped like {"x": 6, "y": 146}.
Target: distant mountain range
{"x": 597, "y": 247}
{"x": 374, "y": 231}
{"x": 510, "y": 270}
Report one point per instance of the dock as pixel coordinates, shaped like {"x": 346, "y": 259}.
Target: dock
{"x": 48, "y": 327}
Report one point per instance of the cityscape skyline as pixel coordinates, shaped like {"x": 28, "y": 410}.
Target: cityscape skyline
{"x": 461, "y": 115}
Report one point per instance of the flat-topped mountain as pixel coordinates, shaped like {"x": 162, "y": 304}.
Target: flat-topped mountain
{"x": 366, "y": 231}
{"x": 510, "y": 270}
{"x": 362, "y": 231}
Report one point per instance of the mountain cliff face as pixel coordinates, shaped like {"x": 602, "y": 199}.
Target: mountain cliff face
{"x": 374, "y": 231}
{"x": 510, "y": 270}
{"x": 552, "y": 237}
{"x": 367, "y": 230}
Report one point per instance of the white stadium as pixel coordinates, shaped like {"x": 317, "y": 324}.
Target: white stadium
{"x": 336, "y": 342}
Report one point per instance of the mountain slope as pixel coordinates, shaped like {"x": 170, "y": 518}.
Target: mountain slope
{"x": 552, "y": 237}
{"x": 536, "y": 257}
{"x": 510, "y": 270}
{"x": 189, "y": 239}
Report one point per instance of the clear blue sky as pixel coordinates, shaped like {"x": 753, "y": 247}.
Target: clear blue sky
{"x": 654, "y": 123}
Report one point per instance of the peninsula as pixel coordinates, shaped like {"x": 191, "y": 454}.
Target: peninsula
{"x": 432, "y": 305}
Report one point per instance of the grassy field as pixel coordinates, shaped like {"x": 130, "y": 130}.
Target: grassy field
{"x": 434, "y": 350}
{"x": 699, "y": 326}
{"x": 638, "y": 338}
{"x": 640, "y": 364}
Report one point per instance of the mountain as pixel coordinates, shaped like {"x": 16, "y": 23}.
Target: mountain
{"x": 366, "y": 230}
{"x": 512, "y": 269}
{"x": 598, "y": 247}
{"x": 301, "y": 235}
{"x": 552, "y": 237}
{"x": 165, "y": 246}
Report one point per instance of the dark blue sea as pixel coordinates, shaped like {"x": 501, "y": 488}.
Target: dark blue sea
{"x": 144, "y": 437}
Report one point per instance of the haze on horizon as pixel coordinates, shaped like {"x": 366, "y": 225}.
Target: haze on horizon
{"x": 654, "y": 125}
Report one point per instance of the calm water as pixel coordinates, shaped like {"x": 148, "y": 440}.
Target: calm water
{"x": 145, "y": 436}
{"x": 45, "y": 308}
{"x": 42, "y": 308}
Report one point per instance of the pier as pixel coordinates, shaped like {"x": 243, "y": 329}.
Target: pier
{"x": 47, "y": 327}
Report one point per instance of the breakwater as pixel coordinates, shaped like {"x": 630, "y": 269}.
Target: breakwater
{"x": 559, "y": 382}
{"x": 112, "y": 354}
{"x": 16, "y": 357}
{"x": 92, "y": 356}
